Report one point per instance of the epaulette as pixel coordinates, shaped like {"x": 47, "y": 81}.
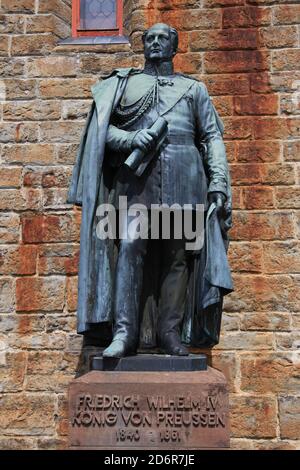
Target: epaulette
{"x": 122, "y": 72}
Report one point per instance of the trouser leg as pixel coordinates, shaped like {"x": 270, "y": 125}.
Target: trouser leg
{"x": 174, "y": 280}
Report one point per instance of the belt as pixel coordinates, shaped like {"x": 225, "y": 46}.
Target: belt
{"x": 180, "y": 139}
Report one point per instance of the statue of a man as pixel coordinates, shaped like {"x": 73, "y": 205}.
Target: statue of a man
{"x": 133, "y": 291}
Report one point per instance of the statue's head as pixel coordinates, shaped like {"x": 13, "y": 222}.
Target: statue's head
{"x": 160, "y": 42}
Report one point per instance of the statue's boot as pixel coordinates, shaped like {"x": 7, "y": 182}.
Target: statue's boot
{"x": 171, "y": 344}
{"x": 128, "y": 285}
{"x": 118, "y": 348}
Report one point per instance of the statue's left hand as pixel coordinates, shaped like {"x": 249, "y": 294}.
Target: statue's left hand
{"x": 219, "y": 199}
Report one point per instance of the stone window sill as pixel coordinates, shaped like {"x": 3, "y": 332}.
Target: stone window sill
{"x": 94, "y": 43}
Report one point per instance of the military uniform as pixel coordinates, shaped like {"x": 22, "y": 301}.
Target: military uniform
{"x": 178, "y": 174}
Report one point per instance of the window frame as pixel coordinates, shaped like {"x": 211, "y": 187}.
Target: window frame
{"x": 77, "y": 32}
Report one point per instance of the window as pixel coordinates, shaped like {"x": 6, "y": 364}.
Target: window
{"x": 97, "y": 18}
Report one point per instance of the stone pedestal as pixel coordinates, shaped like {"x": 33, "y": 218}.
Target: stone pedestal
{"x": 119, "y": 409}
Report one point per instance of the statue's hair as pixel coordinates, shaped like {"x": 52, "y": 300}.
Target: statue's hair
{"x": 173, "y": 33}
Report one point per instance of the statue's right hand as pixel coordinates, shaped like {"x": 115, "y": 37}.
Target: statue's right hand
{"x": 144, "y": 140}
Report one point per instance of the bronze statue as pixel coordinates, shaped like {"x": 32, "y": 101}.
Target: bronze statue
{"x": 153, "y": 136}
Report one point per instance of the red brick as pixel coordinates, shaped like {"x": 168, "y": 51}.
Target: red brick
{"x": 268, "y": 321}
{"x": 9, "y": 228}
{"x": 11, "y": 177}
{"x": 39, "y": 340}
{"x": 258, "y": 151}
{"x": 7, "y": 295}
{"x": 61, "y": 131}
{"x": 62, "y": 322}
{"x": 276, "y": 128}
{"x": 21, "y": 132}
{"x": 230, "y": 322}
{"x": 262, "y": 226}
{"x": 34, "y": 44}
{"x": 14, "y": 199}
{"x": 245, "y": 257}
{"x": 253, "y": 416}
{"x": 256, "y": 104}
{"x": 193, "y": 19}
{"x": 39, "y": 154}
{"x": 56, "y": 6}
{"x": 286, "y": 60}
{"x": 72, "y": 293}
{"x": 4, "y": 46}
{"x": 258, "y": 197}
{"x": 226, "y": 362}
{"x": 58, "y": 259}
{"x": 237, "y": 197}
{"x": 52, "y": 443}
{"x": 296, "y": 321}
{"x": 28, "y": 324}
{"x": 22, "y": 413}
{"x": 264, "y": 293}
{"x": 39, "y": 24}
{"x": 286, "y": 14}
{"x": 12, "y": 24}
{"x": 18, "y": 443}
{"x": 32, "y": 110}
{"x": 260, "y": 173}
{"x": 18, "y": 89}
{"x": 222, "y": 3}
{"x": 289, "y": 417}
{"x": 288, "y": 197}
{"x": 238, "y": 128}
{"x": 288, "y": 341}
{"x": 246, "y": 17}
{"x": 103, "y": 64}
{"x": 231, "y": 150}
{"x": 285, "y": 82}
{"x": 66, "y": 153}
{"x": 261, "y": 82}
{"x": 55, "y": 198}
{"x": 60, "y": 28}
{"x": 226, "y": 84}
{"x": 291, "y": 150}
{"x": 58, "y": 177}
{"x": 188, "y": 63}
{"x": 224, "y": 105}
{"x": 60, "y": 88}
{"x": 12, "y": 371}
{"x": 278, "y": 36}
{"x": 50, "y": 228}
{"x": 78, "y": 109}
{"x": 47, "y": 177}
{"x": 228, "y": 39}
{"x": 44, "y": 294}
{"x": 58, "y": 66}
{"x": 281, "y": 257}
{"x": 236, "y": 61}
{"x": 269, "y": 373}
{"x": 22, "y": 6}
{"x": 20, "y": 260}
{"x": 289, "y": 103}
{"x": 55, "y": 382}
{"x": 251, "y": 173}
{"x": 11, "y": 67}
{"x": 245, "y": 341}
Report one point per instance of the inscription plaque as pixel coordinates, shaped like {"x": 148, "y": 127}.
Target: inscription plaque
{"x": 149, "y": 410}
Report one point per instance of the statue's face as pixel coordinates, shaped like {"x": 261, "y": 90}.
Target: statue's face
{"x": 158, "y": 44}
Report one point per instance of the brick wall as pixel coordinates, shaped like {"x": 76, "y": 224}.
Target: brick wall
{"x": 247, "y": 54}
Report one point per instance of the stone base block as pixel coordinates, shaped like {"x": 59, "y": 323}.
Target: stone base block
{"x": 149, "y": 410}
